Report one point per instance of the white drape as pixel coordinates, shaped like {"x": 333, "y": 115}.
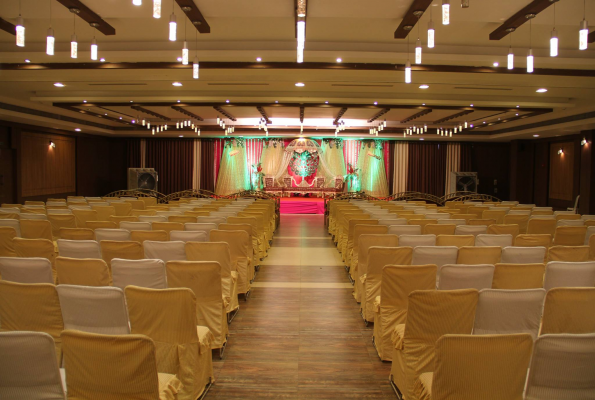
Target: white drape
{"x": 453, "y": 162}
{"x": 401, "y": 157}
{"x": 371, "y": 169}
{"x": 196, "y": 165}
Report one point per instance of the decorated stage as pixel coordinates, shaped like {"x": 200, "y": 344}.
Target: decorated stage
{"x": 302, "y": 205}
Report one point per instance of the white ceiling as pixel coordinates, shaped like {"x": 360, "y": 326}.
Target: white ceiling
{"x": 357, "y": 31}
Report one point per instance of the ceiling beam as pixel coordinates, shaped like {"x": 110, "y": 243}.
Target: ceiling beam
{"x": 505, "y": 120}
{"x": 94, "y": 114}
{"x": 454, "y": 116}
{"x": 591, "y": 37}
{"x": 8, "y": 27}
{"x": 194, "y": 15}
{"x": 218, "y": 106}
{"x": 418, "y": 7}
{"x": 149, "y": 112}
{"x": 222, "y": 111}
{"x": 417, "y": 115}
{"x": 302, "y": 112}
{"x": 230, "y": 65}
{"x": 340, "y": 114}
{"x": 378, "y": 115}
{"x": 264, "y": 114}
{"x": 187, "y": 113}
{"x": 518, "y": 19}
{"x": 89, "y": 15}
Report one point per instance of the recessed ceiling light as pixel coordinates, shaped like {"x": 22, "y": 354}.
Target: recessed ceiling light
{"x": 375, "y": 103}
{"x": 424, "y": 86}
{"x": 58, "y": 84}
{"x": 105, "y": 113}
{"x": 542, "y": 90}
{"x": 484, "y": 122}
{"x": 471, "y": 125}
{"x": 178, "y": 101}
{"x": 496, "y": 64}
{"x": 471, "y": 105}
{"x": 258, "y": 59}
{"x": 132, "y": 101}
{"x": 120, "y": 117}
{"x": 27, "y": 60}
{"x": 102, "y": 59}
{"x": 326, "y": 102}
{"x": 535, "y": 135}
{"x": 339, "y": 60}
{"x": 179, "y": 58}
{"x": 276, "y": 101}
{"x": 517, "y": 106}
{"x": 77, "y": 129}
{"x": 516, "y": 114}
{"x": 421, "y": 138}
{"x": 227, "y": 101}
{"x": 300, "y": 84}
{"x": 423, "y": 104}
{"x": 181, "y": 136}
{"x": 84, "y": 101}
{"x": 177, "y": 84}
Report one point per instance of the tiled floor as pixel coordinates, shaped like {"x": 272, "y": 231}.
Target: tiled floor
{"x": 300, "y": 335}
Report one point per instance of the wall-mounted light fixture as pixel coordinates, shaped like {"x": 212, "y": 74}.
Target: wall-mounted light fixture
{"x": 52, "y": 144}
{"x": 560, "y": 152}
{"x": 583, "y": 142}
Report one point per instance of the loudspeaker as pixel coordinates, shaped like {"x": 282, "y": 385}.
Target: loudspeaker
{"x": 463, "y": 182}
{"x": 142, "y": 178}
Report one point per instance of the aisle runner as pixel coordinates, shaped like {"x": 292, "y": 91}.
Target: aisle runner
{"x": 301, "y": 205}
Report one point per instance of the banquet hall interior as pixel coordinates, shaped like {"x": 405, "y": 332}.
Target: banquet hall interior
{"x": 297, "y": 199}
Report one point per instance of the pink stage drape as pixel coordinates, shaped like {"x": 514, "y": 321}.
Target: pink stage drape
{"x": 351, "y": 150}
{"x": 253, "y": 152}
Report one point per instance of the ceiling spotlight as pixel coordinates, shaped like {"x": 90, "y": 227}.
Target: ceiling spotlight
{"x": 27, "y": 60}
{"x": 326, "y": 102}
{"x": 84, "y": 101}
{"x": 339, "y": 60}
{"x": 583, "y": 142}
{"x": 561, "y": 151}
{"x": 276, "y": 101}
{"x": 132, "y": 101}
{"x": 58, "y": 84}
{"x": 227, "y": 101}
{"x": 496, "y": 64}
{"x": 424, "y": 86}
{"x": 471, "y": 105}
{"x": 52, "y": 144}
{"x": 375, "y": 103}
{"x": 178, "y": 101}
{"x": 177, "y": 84}
{"x": 423, "y": 104}
{"x": 77, "y": 129}
{"x": 517, "y": 106}
{"x": 300, "y": 84}
{"x": 179, "y": 59}
{"x": 535, "y": 135}
{"x": 102, "y": 59}
{"x": 542, "y": 90}
{"x": 258, "y": 59}
{"x": 517, "y": 114}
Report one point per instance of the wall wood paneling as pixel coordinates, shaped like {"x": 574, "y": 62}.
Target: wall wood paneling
{"x": 47, "y": 170}
{"x": 561, "y": 171}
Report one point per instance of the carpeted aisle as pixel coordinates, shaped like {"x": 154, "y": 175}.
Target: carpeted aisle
{"x": 300, "y": 335}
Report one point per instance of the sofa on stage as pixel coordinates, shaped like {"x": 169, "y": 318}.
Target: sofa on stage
{"x": 317, "y": 187}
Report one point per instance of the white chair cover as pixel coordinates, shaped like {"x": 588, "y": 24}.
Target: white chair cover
{"x": 493, "y": 240}
{"x": 389, "y": 222}
{"x": 188, "y": 236}
{"x": 438, "y": 255}
{"x": 94, "y": 309}
{"x": 404, "y": 230}
{"x": 452, "y": 221}
{"x": 562, "y": 222}
{"x": 459, "y": 276}
{"x": 504, "y": 312}
{"x": 562, "y": 368}
{"x": 82, "y": 206}
{"x": 165, "y": 251}
{"x": 211, "y": 220}
{"x": 152, "y": 218}
{"x": 417, "y": 240}
{"x": 135, "y": 226}
{"x": 587, "y": 217}
{"x": 590, "y": 231}
{"x": 523, "y": 255}
{"x": 471, "y": 229}
{"x": 569, "y": 274}
{"x": 79, "y": 248}
{"x": 202, "y": 227}
{"x": 13, "y": 223}
{"x": 28, "y": 368}
{"x": 144, "y": 273}
{"x": 26, "y": 270}
{"x": 10, "y": 210}
{"x": 435, "y": 215}
{"x": 111, "y": 234}
{"x": 169, "y": 213}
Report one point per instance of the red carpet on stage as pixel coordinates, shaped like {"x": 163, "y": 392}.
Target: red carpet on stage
{"x": 301, "y": 205}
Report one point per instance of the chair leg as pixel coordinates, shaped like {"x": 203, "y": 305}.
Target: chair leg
{"x": 395, "y": 388}
{"x": 232, "y": 315}
{"x": 222, "y": 350}
{"x": 204, "y": 393}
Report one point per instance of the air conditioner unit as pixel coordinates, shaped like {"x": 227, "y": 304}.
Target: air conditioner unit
{"x": 142, "y": 178}
{"x": 463, "y": 182}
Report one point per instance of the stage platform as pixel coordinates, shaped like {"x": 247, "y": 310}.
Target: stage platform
{"x": 302, "y": 205}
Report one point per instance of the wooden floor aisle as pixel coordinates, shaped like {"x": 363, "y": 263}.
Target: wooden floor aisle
{"x": 300, "y": 335}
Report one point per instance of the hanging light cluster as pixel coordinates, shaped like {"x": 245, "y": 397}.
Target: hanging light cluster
{"x": 379, "y": 128}
{"x": 262, "y": 124}
{"x": 339, "y": 128}
{"x": 417, "y": 129}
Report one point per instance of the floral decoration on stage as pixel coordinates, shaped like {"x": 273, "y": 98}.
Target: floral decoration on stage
{"x": 239, "y": 142}
{"x": 352, "y": 178}
{"x": 272, "y": 142}
{"x": 304, "y": 163}
{"x": 337, "y": 142}
{"x": 257, "y": 176}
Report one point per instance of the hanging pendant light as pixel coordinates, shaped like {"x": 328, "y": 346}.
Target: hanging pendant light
{"x": 93, "y": 49}
{"x": 510, "y": 55}
{"x": 408, "y": 65}
{"x": 195, "y": 65}
{"x": 73, "y": 42}
{"x": 418, "y": 52}
{"x": 144, "y": 122}
{"x": 554, "y": 38}
{"x": 431, "y": 31}
{"x": 185, "y": 49}
{"x": 137, "y": 2}
{"x": 464, "y": 3}
{"x": 445, "y": 12}
{"x": 173, "y": 26}
{"x": 148, "y": 125}
{"x": 530, "y": 51}
{"x": 301, "y": 39}
{"x": 20, "y": 29}
{"x": 51, "y": 40}
{"x": 583, "y": 34}
{"x": 156, "y": 8}
{"x": 465, "y": 124}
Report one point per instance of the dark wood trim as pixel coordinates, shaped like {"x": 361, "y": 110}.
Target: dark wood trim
{"x": 302, "y": 111}
{"x": 8, "y": 27}
{"x": 549, "y": 122}
{"x": 591, "y": 38}
{"x": 411, "y": 19}
{"x": 90, "y": 16}
{"x": 222, "y": 111}
{"x": 416, "y": 115}
{"x": 379, "y": 114}
{"x": 342, "y": 111}
{"x": 44, "y": 114}
{"x": 149, "y": 112}
{"x": 188, "y": 113}
{"x": 94, "y": 114}
{"x": 308, "y": 105}
{"x": 264, "y": 114}
{"x": 194, "y": 15}
{"x": 454, "y": 116}
{"x": 464, "y": 69}
{"x": 519, "y": 18}
{"x": 503, "y": 121}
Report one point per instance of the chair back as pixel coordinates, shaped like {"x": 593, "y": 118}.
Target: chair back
{"x": 479, "y": 255}
{"x": 518, "y": 276}
{"x": 142, "y": 273}
{"x": 523, "y": 255}
{"x": 77, "y": 234}
{"x": 458, "y": 276}
{"x": 541, "y": 226}
{"x": 12, "y": 223}
{"x": 565, "y": 235}
{"x": 417, "y": 240}
{"x": 82, "y": 271}
{"x": 43, "y": 248}
{"x": 7, "y": 234}
{"x": 568, "y": 253}
{"x": 455, "y": 240}
{"x": 79, "y": 248}
{"x": 569, "y": 274}
{"x": 26, "y": 270}
{"x": 437, "y": 255}
{"x": 568, "y": 310}
{"x": 493, "y": 240}
{"x": 439, "y": 229}
{"x": 59, "y": 221}
{"x": 404, "y": 230}
{"x": 130, "y": 250}
{"x": 82, "y": 216}
{"x": 165, "y": 251}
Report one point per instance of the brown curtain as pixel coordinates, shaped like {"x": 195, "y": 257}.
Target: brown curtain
{"x": 426, "y": 171}
{"x": 133, "y": 153}
{"x": 173, "y": 160}
{"x": 207, "y": 164}
{"x": 466, "y": 157}
{"x": 389, "y": 159}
